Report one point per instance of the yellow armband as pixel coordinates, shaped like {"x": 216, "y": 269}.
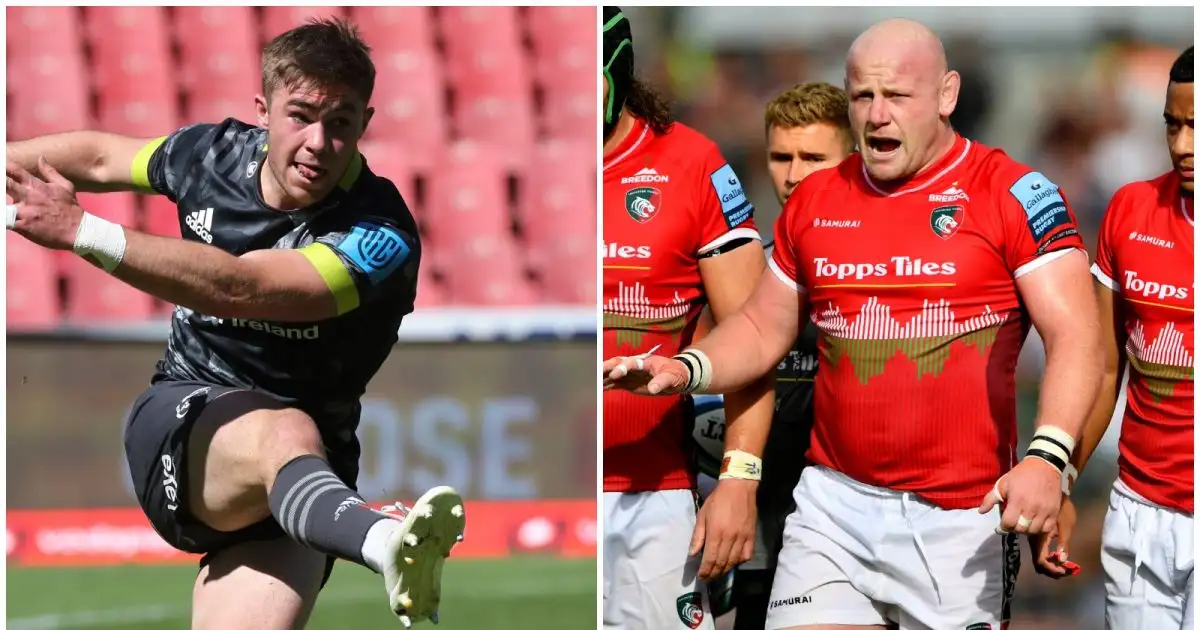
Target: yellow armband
{"x": 335, "y": 274}
{"x": 139, "y": 171}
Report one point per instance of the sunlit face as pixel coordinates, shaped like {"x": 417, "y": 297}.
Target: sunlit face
{"x": 895, "y": 114}
{"x": 796, "y": 153}
{"x": 1179, "y": 116}
{"x": 312, "y": 134}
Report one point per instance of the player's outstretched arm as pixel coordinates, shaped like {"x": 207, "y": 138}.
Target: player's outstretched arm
{"x": 278, "y": 284}
{"x": 743, "y": 348}
{"x": 94, "y": 161}
{"x": 749, "y": 344}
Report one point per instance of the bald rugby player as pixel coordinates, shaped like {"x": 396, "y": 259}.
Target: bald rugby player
{"x": 923, "y": 260}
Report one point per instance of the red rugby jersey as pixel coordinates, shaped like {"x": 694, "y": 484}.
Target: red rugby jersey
{"x": 1145, "y": 255}
{"x": 920, "y": 321}
{"x": 667, "y": 199}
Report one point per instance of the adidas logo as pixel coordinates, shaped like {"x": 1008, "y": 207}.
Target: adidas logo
{"x": 201, "y": 223}
{"x": 951, "y": 194}
{"x": 646, "y": 176}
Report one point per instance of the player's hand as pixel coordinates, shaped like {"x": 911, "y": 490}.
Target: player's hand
{"x": 1051, "y": 559}
{"x": 725, "y": 527}
{"x": 1029, "y": 495}
{"x": 646, "y": 374}
{"x": 47, "y": 212}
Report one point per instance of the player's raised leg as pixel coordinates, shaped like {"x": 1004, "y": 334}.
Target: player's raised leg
{"x": 270, "y": 462}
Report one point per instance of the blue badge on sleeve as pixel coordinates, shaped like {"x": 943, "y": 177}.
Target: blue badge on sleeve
{"x": 378, "y": 250}
{"x": 1044, "y": 207}
{"x": 734, "y": 204}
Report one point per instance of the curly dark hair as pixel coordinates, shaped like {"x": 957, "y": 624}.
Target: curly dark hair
{"x": 647, "y": 104}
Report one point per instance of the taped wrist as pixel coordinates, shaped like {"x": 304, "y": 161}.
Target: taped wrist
{"x": 699, "y": 370}
{"x": 100, "y": 241}
{"x": 741, "y": 465}
{"x": 1053, "y": 445}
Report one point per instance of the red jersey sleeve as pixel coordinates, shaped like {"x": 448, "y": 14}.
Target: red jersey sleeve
{"x": 1039, "y": 225}
{"x": 785, "y": 259}
{"x": 1104, "y": 267}
{"x": 725, "y": 213}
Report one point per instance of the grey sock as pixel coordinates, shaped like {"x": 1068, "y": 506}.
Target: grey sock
{"x": 318, "y": 511}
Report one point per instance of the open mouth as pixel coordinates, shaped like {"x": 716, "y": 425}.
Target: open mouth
{"x": 309, "y": 173}
{"x": 883, "y": 146}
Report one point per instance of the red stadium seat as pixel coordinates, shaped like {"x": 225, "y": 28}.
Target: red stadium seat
{"x": 42, "y": 30}
{"x": 479, "y": 29}
{"x": 93, "y": 295}
{"x": 133, "y": 70}
{"x": 570, "y": 105}
{"x": 51, "y": 98}
{"x": 430, "y": 292}
{"x": 485, "y": 271}
{"x": 32, "y": 294}
{"x": 278, "y": 20}
{"x": 467, "y": 196}
{"x": 556, "y": 203}
{"x": 47, "y": 74}
{"x": 390, "y": 28}
{"x": 410, "y": 103}
{"x": 569, "y": 279}
{"x": 553, "y": 29}
{"x": 493, "y": 100}
{"x": 219, "y": 53}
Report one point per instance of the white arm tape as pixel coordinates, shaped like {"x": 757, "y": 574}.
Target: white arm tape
{"x": 101, "y": 240}
{"x": 10, "y": 216}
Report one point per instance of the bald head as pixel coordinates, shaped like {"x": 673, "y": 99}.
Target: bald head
{"x": 907, "y": 44}
{"x": 901, "y": 97}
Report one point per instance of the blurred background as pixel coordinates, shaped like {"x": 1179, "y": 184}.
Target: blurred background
{"x": 1076, "y": 93}
{"x": 486, "y": 122}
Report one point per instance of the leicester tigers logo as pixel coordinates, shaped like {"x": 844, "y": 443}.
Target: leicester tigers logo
{"x": 643, "y": 203}
{"x": 946, "y": 220}
{"x": 690, "y": 607}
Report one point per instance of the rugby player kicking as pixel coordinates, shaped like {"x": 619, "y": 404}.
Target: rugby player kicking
{"x": 678, "y": 233}
{"x": 1146, "y": 283}
{"x": 922, "y": 260}
{"x": 808, "y": 129}
{"x": 295, "y": 270}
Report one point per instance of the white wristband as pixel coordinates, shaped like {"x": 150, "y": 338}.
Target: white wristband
{"x": 10, "y": 216}
{"x": 101, "y": 241}
{"x": 699, "y": 369}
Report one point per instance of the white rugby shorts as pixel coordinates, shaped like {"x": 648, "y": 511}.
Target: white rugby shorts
{"x": 1147, "y": 554}
{"x": 650, "y": 582}
{"x": 855, "y": 554}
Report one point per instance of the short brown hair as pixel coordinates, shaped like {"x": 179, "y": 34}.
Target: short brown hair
{"x": 810, "y": 103}
{"x": 324, "y": 52}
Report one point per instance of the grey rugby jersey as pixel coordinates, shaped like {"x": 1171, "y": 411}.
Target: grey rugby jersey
{"x": 211, "y": 171}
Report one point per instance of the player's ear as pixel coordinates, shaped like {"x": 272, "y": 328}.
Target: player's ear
{"x": 262, "y": 109}
{"x": 367, "y": 114}
{"x": 948, "y": 94}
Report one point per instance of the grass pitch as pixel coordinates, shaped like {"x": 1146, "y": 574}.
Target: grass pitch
{"x": 526, "y": 593}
